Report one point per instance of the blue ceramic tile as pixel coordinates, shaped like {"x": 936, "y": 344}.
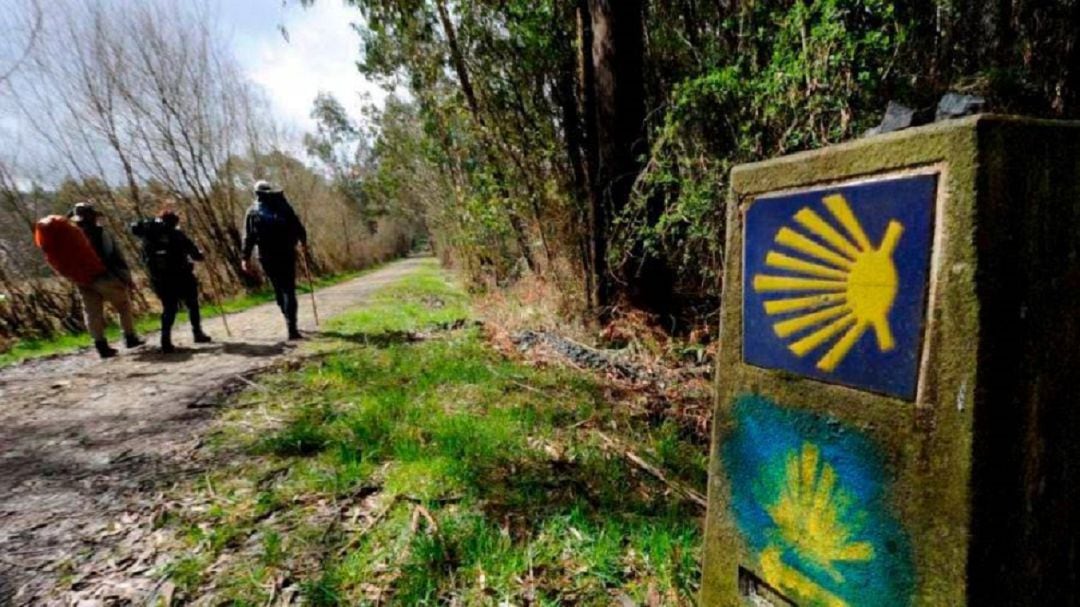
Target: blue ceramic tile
{"x": 835, "y": 282}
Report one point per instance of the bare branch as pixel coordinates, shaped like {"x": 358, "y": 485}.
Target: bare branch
{"x": 36, "y": 20}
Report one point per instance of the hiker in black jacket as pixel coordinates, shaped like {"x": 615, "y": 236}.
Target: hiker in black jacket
{"x": 273, "y": 227}
{"x": 169, "y": 255}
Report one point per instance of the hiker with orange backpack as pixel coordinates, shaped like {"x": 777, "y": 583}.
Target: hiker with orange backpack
{"x": 112, "y": 285}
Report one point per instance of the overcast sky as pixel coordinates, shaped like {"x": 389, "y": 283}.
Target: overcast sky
{"x": 320, "y": 54}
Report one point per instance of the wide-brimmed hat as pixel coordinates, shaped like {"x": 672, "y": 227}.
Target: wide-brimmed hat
{"x": 264, "y": 187}
{"x": 83, "y": 211}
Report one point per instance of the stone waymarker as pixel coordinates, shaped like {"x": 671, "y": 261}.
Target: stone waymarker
{"x": 898, "y": 407}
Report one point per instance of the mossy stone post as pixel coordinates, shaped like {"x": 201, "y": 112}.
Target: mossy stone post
{"x": 898, "y": 390}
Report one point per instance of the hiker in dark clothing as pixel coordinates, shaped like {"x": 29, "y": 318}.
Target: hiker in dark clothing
{"x": 112, "y": 287}
{"x": 169, "y": 255}
{"x": 272, "y": 226}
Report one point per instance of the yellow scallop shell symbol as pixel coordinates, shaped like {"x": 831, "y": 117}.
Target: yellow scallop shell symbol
{"x": 835, "y": 284}
{"x": 817, "y": 520}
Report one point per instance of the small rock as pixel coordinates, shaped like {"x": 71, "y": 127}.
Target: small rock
{"x": 897, "y": 117}
{"x": 957, "y": 105}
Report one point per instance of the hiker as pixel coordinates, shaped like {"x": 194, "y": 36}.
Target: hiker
{"x": 272, "y": 226}
{"x": 169, "y": 256}
{"x": 113, "y": 286}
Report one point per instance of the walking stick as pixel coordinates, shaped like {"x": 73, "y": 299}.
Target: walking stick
{"x": 219, "y": 301}
{"x": 311, "y": 285}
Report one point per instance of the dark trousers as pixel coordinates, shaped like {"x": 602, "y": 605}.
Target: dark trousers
{"x": 282, "y": 274}
{"x": 174, "y": 291}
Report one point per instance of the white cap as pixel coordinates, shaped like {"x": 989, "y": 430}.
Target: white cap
{"x": 264, "y": 187}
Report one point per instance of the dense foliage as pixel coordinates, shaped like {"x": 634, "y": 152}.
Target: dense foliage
{"x": 509, "y": 106}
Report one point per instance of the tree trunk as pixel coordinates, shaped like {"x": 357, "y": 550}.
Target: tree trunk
{"x": 574, "y": 140}
{"x": 600, "y": 291}
{"x": 458, "y": 61}
{"x": 621, "y": 146}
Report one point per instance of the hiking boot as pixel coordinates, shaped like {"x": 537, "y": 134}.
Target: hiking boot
{"x": 166, "y": 344}
{"x": 133, "y": 341}
{"x": 202, "y": 338}
{"x": 103, "y": 349}
{"x": 294, "y": 335}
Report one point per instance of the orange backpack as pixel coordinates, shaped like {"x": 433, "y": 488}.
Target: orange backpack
{"x": 67, "y": 250}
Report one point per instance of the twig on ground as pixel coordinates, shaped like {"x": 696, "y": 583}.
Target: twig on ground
{"x": 257, "y": 386}
{"x": 427, "y": 516}
{"x": 275, "y": 583}
{"x": 375, "y": 520}
{"x": 579, "y": 424}
{"x": 449, "y": 499}
{"x": 500, "y": 375}
{"x": 678, "y": 486}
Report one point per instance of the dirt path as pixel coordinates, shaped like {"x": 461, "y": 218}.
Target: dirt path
{"x": 84, "y": 443}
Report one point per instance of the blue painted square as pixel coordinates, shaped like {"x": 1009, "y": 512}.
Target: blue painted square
{"x": 835, "y": 282}
{"x": 811, "y": 498}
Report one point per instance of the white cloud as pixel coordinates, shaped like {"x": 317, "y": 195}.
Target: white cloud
{"x": 319, "y": 55}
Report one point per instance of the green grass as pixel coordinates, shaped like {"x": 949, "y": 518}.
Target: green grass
{"x": 411, "y": 473}
{"x": 65, "y": 343}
